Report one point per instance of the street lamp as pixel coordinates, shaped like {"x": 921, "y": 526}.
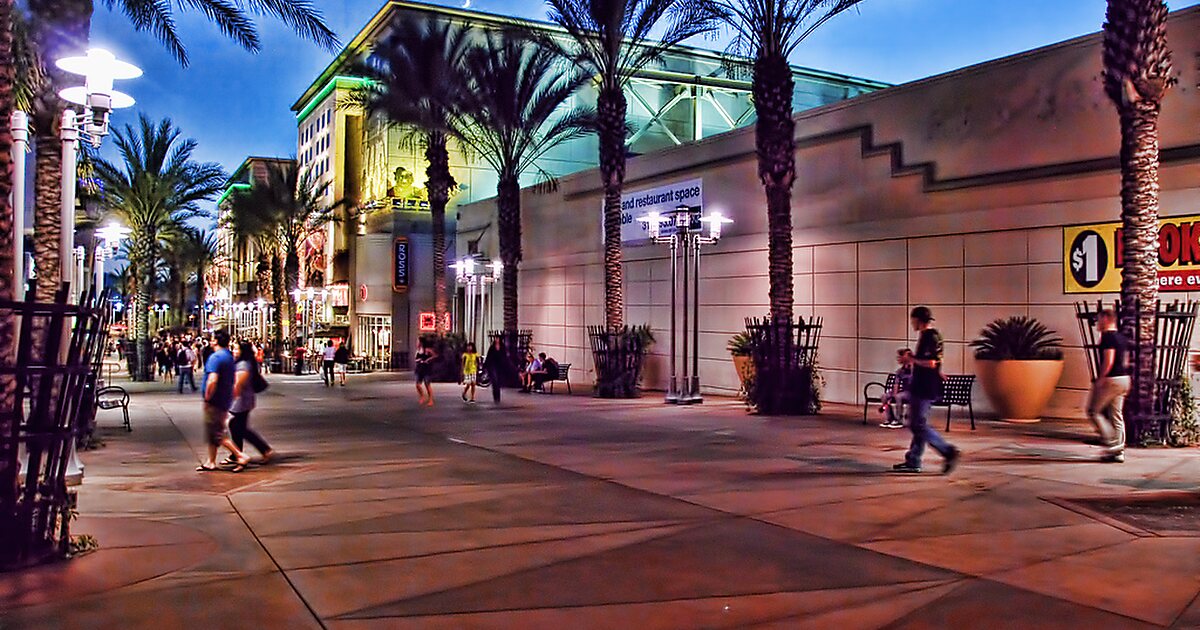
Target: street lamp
{"x": 99, "y": 69}
{"x": 476, "y": 276}
{"x": 685, "y": 233}
{"x": 110, "y": 237}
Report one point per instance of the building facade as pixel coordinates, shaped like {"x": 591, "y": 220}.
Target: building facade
{"x": 379, "y": 175}
{"x": 964, "y": 192}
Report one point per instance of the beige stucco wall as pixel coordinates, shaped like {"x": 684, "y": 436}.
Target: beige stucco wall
{"x": 1015, "y": 148}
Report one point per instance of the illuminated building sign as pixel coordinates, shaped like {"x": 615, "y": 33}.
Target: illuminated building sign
{"x": 400, "y": 255}
{"x": 1092, "y": 256}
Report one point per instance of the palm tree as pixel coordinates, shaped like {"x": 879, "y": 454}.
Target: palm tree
{"x": 290, "y": 204}
{"x": 156, "y": 187}
{"x": 251, "y": 223}
{"x": 200, "y": 253}
{"x": 611, "y": 40}
{"x": 511, "y": 120}
{"x": 62, "y": 28}
{"x": 1137, "y": 74}
{"x": 417, "y": 81}
{"x": 8, "y": 450}
{"x": 769, "y": 31}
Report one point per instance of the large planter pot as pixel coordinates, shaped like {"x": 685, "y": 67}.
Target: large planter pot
{"x": 1019, "y": 390}
{"x": 744, "y": 366}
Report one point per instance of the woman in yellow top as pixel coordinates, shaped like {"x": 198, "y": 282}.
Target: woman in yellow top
{"x": 470, "y": 363}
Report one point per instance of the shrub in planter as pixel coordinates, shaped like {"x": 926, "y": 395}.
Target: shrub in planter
{"x": 1018, "y": 361}
{"x": 740, "y": 349}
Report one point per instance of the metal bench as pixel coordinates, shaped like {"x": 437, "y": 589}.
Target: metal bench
{"x": 114, "y": 397}
{"x": 564, "y": 376}
{"x": 956, "y": 390}
{"x": 884, "y": 388}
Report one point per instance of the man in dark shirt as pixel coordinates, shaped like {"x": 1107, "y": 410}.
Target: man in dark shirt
{"x": 926, "y": 362}
{"x": 1107, "y": 399}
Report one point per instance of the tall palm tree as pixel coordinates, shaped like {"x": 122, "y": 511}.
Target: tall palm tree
{"x": 1137, "y": 74}
{"x": 611, "y": 40}
{"x": 291, "y": 204}
{"x": 514, "y": 116}
{"x": 156, "y": 187}
{"x": 201, "y": 252}
{"x": 251, "y": 223}
{"x": 417, "y": 81}
{"x": 62, "y": 28}
{"x": 769, "y": 31}
{"x": 8, "y": 449}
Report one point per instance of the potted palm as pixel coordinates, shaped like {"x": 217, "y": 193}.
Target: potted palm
{"x": 739, "y": 348}
{"x": 1018, "y": 361}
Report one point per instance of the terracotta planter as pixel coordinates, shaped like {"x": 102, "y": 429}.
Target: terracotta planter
{"x": 745, "y": 369}
{"x": 1019, "y": 390}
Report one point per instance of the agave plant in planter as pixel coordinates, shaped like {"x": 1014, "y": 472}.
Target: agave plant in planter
{"x": 1018, "y": 361}
{"x": 740, "y": 349}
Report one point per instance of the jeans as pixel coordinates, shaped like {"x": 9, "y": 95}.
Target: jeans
{"x": 1106, "y": 410}
{"x": 895, "y": 406}
{"x": 240, "y": 431}
{"x": 187, "y": 372}
{"x": 922, "y": 433}
{"x": 327, "y": 372}
{"x": 494, "y": 377}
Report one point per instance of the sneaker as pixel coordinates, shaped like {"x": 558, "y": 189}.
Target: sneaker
{"x": 906, "y": 468}
{"x": 951, "y": 462}
{"x": 1113, "y": 458}
{"x": 892, "y": 425}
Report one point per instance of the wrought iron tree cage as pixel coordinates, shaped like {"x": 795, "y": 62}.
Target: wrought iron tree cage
{"x": 619, "y": 356}
{"x": 785, "y": 365}
{"x": 1174, "y": 325}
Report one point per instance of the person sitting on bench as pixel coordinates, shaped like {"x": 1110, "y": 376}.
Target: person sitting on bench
{"x": 533, "y": 365}
{"x": 549, "y": 372}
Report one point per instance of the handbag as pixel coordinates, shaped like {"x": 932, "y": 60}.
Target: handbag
{"x": 259, "y": 382}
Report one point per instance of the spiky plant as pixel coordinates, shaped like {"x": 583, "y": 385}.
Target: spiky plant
{"x": 1018, "y": 338}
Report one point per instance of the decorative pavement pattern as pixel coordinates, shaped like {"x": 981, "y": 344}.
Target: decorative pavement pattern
{"x": 570, "y": 512}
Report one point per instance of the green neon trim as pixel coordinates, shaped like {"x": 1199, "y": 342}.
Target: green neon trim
{"x": 229, "y": 191}
{"x": 329, "y": 87}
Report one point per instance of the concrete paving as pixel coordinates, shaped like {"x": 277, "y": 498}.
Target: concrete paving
{"x": 571, "y": 512}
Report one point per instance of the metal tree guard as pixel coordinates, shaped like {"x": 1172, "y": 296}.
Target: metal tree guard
{"x": 1174, "y": 325}
{"x": 50, "y": 413}
{"x": 785, "y": 365}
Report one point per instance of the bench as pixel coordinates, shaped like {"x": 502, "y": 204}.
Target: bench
{"x": 956, "y": 391}
{"x": 564, "y": 376}
{"x": 113, "y": 397}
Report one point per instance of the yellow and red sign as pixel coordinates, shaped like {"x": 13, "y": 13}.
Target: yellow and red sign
{"x": 1092, "y": 256}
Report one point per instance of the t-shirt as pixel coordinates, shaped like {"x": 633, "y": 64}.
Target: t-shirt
{"x": 221, "y": 367}
{"x": 1113, "y": 340}
{"x": 342, "y": 355}
{"x": 927, "y": 382}
{"x": 244, "y": 402}
{"x": 329, "y": 352}
{"x": 535, "y": 366}
{"x": 470, "y": 363}
{"x": 551, "y": 367}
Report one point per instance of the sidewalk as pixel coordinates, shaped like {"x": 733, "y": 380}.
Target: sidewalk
{"x": 572, "y": 512}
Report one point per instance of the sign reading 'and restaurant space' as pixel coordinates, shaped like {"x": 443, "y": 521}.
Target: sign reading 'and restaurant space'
{"x": 1092, "y": 256}
{"x": 661, "y": 199}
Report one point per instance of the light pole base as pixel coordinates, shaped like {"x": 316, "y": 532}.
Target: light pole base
{"x": 672, "y": 397}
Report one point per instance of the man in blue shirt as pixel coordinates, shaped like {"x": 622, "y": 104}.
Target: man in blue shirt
{"x": 219, "y": 373}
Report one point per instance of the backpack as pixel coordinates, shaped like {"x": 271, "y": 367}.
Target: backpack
{"x": 258, "y": 382}
{"x": 551, "y": 368}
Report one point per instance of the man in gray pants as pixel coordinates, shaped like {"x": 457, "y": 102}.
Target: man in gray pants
{"x": 1107, "y": 399}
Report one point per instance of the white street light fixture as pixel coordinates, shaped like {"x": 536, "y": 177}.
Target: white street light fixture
{"x": 476, "y": 276}
{"x": 112, "y": 235}
{"x": 97, "y": 96}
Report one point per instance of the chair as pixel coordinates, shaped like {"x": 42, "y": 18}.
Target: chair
{"x": 956, "y": 390}
{"x": 114, "y": 397}
{"x": 564, "y": 376}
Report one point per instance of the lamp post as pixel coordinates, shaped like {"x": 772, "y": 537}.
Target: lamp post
{"x": 19, "y": 123}
{"x": 685, "y": 234}
{"x": 476, "y": 276}
{"x": 110, "y": 237}
{"x": 98, "y": 98}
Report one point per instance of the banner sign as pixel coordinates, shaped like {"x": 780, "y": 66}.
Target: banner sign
{"x": 1092, "y": 257}
{"x": 400, "y": 264}
{"x": 662, "y": 199}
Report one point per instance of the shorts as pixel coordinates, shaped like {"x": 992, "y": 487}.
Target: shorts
{"x": 216, "y": 421}
{"x": 339, "y": 368}
{"x": 469, "y": 379}
{"x": 424, "y": 378}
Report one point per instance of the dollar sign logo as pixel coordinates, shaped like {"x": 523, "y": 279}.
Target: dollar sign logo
{"x": 1077, "y": 259}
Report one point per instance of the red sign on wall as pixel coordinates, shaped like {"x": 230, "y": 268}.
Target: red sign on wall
{"x": 426, "y": 322}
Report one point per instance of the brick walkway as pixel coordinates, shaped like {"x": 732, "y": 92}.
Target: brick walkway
{"x": 569, "y": 512}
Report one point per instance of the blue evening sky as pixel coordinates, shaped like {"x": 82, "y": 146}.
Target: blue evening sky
{"x": 237, "y": 104}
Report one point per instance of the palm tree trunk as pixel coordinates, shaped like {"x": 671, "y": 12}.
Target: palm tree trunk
{"x": 1139, "y": 217}
{"x": 62, "y": 28}
{"x": 439, "y": 182}
{"x": 611, "y": 111}
{"x": 291, "y": 279}
{"x": 8, "y": 450}
{"x": 776, "y": 145}
{"x": 200, "y": 269}
{"x": 508, "y": 202}
{"x": 143, "y": 259}
{"x": 278, "y": 297}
